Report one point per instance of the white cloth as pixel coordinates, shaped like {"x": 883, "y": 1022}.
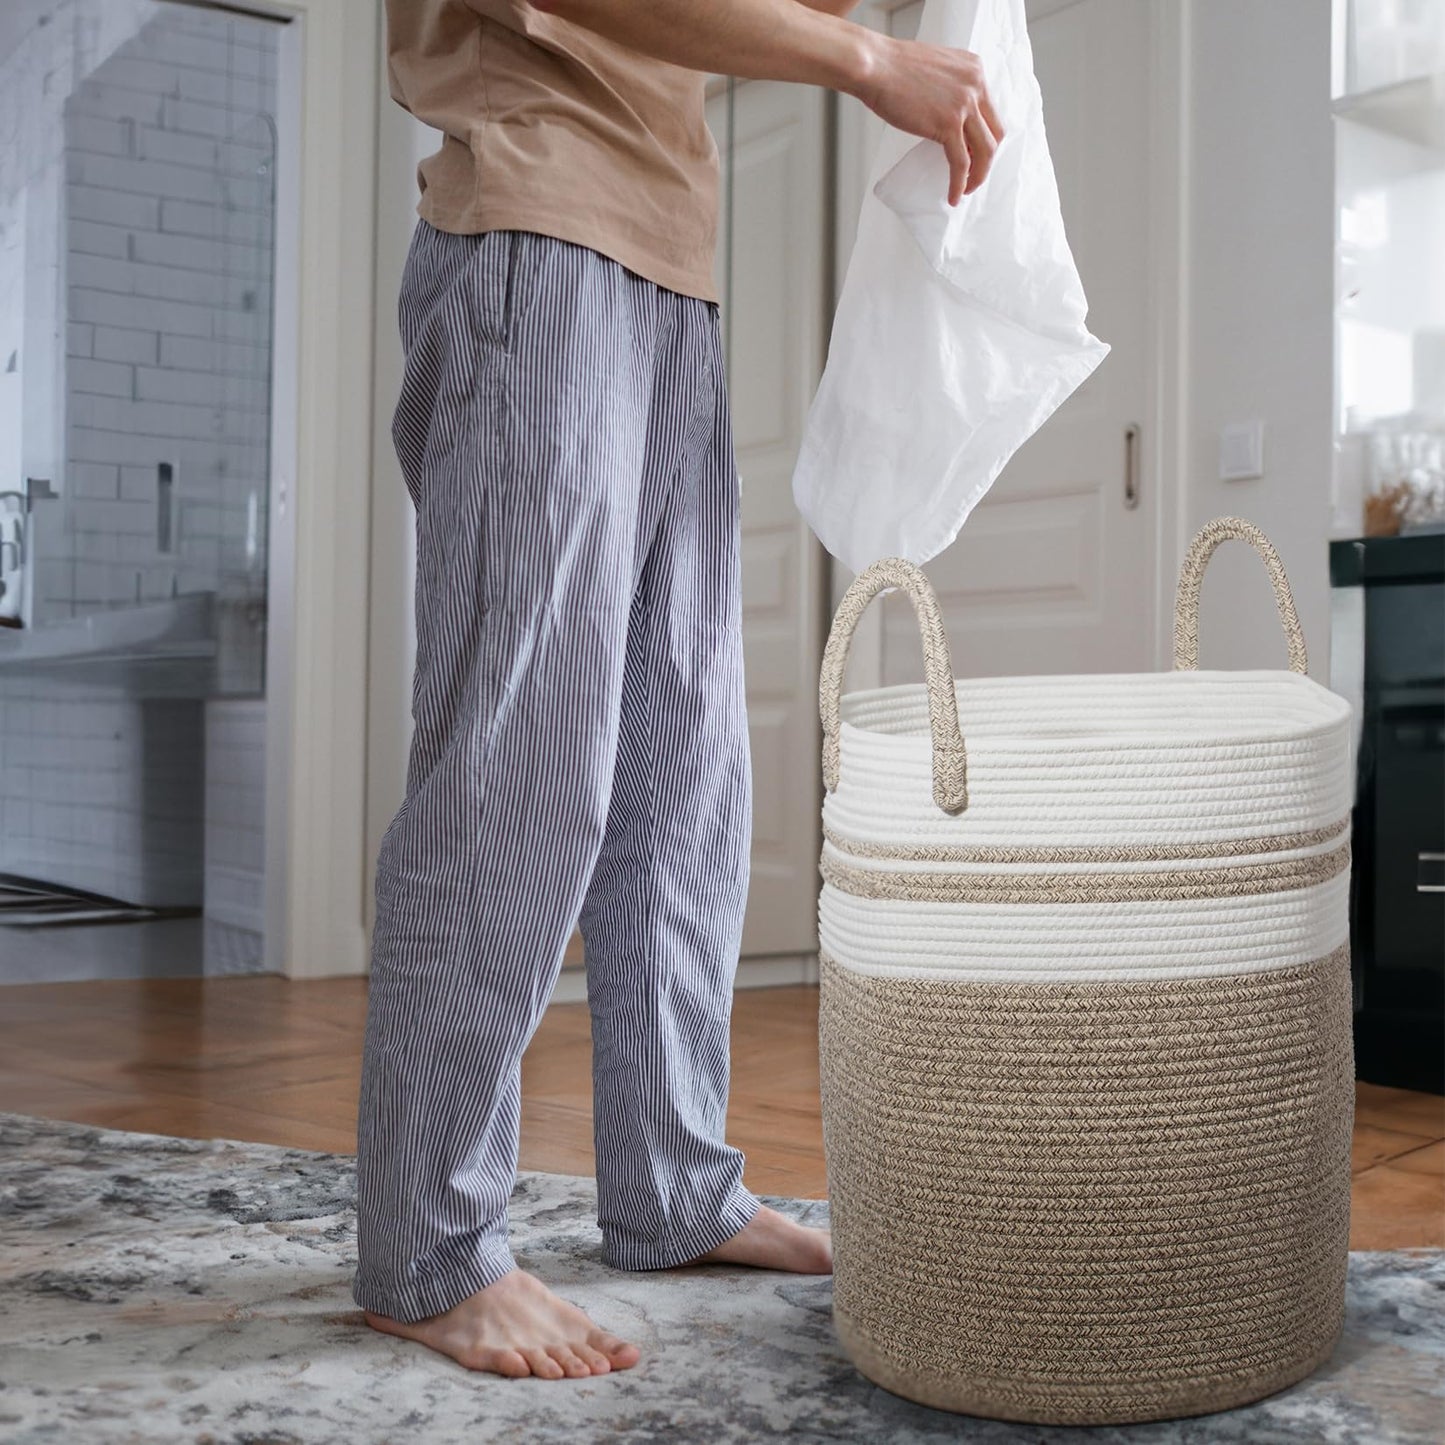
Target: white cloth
{"x": 960, "y": 329}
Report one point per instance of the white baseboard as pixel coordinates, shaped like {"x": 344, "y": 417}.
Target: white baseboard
{"x": 775, "y": 972}
{"x": 797, "y": 968}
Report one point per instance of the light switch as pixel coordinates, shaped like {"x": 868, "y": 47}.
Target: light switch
{"x": 1241, "y": 451}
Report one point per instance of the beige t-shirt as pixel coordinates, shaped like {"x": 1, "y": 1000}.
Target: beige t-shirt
{"x": 551, "y": 128}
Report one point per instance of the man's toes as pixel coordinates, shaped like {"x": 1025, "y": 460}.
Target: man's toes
{"x": 596, "y": 1362}
{"x": 497, "y": 1362}
{"x": 620, "y": 1355}
{"x": 542, "y": 1364}
{"x": 572, "y": 1365}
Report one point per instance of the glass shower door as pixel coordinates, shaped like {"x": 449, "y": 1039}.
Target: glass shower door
{"x": 137, "y": 259}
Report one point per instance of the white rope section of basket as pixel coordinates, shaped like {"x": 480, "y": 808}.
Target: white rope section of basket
{"x": 950, "y": 756}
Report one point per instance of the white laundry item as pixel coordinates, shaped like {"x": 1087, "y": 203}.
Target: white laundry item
{"x": 959, "y": 331}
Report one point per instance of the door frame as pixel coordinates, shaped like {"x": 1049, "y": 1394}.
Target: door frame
{"x": 316, "y": 655}
{"x": 1165, "y": 450}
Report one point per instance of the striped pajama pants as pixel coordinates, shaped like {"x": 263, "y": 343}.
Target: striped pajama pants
{"x": 580, "y": 755}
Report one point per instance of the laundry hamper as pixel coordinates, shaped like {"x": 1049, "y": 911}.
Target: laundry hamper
{"x": 1085, "y": 1024}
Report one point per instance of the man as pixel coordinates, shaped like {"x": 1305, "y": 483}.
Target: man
{"x": 580, "y": 752}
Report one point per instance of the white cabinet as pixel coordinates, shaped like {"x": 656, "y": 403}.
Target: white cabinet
{"x": 1389, "y": 278}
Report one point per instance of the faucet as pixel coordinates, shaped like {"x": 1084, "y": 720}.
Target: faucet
{"x": 18, "y": 540}
{"x": 37, "y": 489}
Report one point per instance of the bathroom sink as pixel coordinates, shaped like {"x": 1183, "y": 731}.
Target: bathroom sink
{"x": 167, "y": 647}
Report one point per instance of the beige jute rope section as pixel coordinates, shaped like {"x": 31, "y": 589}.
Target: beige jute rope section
{"x": 1140, "y": 886}
{"x": 950, "y": 763}
{"x": 1086, "y": 853}
{"x": 1191, "y": 575}
{"x": 1086, "y": 1203}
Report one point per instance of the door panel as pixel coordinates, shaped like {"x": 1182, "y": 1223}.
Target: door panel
{"x": 1052, "y": 572}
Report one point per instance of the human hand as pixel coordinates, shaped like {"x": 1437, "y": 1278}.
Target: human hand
{"x": 939, "y": 94}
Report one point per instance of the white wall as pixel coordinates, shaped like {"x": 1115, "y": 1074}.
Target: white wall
{"x": 1259, "y": 299}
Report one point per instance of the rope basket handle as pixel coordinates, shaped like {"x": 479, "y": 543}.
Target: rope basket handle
{"x": 950, "y": 763}
{"x": 1191, "y": 575}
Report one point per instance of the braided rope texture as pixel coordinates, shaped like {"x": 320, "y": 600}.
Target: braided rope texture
{"x": 1191, "y": 577}
{"x": 950, "y": 762}
{"x": 1140, "y": 885}
{"x": 1106, "y": 853}
{"x": 1089, "y": 1202}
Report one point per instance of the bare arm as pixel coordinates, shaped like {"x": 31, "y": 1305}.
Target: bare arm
{"x": 926, "y": 90}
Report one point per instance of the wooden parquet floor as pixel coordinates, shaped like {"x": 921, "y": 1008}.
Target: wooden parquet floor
{"x": 278, "y": 1061}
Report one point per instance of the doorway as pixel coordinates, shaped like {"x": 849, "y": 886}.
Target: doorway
{"x": 138, "y": 270}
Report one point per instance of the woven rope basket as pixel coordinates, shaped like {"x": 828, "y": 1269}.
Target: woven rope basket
{"x": 1085, "y": 1024}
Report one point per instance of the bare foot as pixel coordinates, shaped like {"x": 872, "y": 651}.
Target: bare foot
{"x": 518, "y": 1327}
{"x": 771, "y": 1240}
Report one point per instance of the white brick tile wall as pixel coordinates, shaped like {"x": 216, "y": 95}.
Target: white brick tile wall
{"x": 126, "y": 343}
{"x": 186, "y": 218}
{"x": 75, "y": 764}
{"x": 96, "y": 547}
{"x": 138, "y": 484}
{"x": 94, "y": 480}
{"x": 99, "y": 378}
{"x": 96, "y": 135}
{"x": 100, "y": 98}
{"x": 111, "y": 308}
{"x": 207, "y": 388}
{"x": 89, "y": 444}
{"x": 119, "y": 518}
{"x": 233, "y": 256}
{"x": 95, "y": 238}
{"x": 114, "y": 208}
{"x": 155, "y": 144}
{"x": 165, "y": 148}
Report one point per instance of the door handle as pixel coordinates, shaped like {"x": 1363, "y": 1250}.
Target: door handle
{"x": 1131, "y": 466}
{"x": 1423, "y": 859}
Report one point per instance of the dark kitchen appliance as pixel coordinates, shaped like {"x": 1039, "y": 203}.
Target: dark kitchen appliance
{"x": 1389, "y": 653}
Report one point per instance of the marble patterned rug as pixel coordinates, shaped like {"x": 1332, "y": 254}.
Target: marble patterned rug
{"x": 159, "y": 1291}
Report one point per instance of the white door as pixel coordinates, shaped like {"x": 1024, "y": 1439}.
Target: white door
{"x": 771, "y": 276}
{"x": 1054, "y": 570}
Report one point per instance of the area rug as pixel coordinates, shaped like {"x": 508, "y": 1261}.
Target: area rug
{"x": 157, "y": 1290}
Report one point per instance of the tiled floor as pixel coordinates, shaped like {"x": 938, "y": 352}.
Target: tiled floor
{"x": 272, "y": 1060}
